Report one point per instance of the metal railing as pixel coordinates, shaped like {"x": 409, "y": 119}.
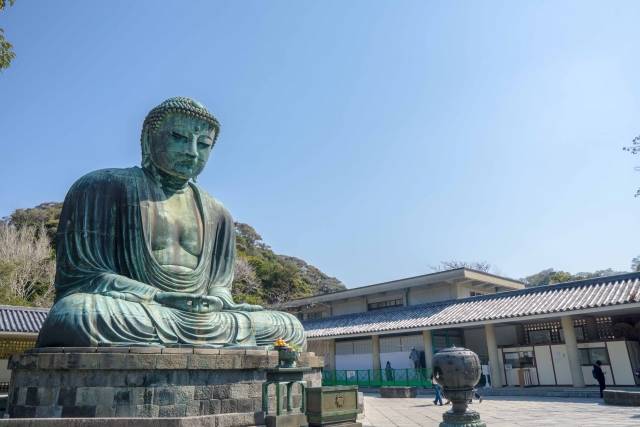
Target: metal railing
{"x": 378, "y": 377}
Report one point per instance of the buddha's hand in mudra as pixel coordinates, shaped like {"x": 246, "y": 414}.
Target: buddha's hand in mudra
{"x": 243, "y": 306}
{"x": 189, "y": 302}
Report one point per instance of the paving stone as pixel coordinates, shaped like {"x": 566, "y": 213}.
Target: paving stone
{"x": 500, "y": 411}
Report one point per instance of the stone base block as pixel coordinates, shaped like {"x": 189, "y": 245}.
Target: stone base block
{"x": 256, "y": 419}
{"x": 622, "y": 397}
{"x": 146, "y": 383}
{"x": 398, "y": 392}
{"x": 286, "y": 420}
{"x": 466, "y": 419}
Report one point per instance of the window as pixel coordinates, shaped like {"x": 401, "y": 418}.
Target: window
{"x": 542, "y": 333}
{"x": 588, "y": 356}
{"x": 385, "y": 304}
{"x": 476, "y": 293}
{"x": 520, "y": 359}
{"x": 604, "y": 327}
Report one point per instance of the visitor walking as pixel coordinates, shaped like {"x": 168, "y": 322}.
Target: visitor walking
{"x": 598, "y": 374}
{"x": 476, "y": 396}
{"x": 438, "y": 390}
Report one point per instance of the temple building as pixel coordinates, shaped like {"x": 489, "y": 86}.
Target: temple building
{"x": 546, "y": 335}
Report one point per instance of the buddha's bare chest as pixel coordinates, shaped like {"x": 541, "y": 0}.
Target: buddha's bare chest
{"x": 176, "y": 230}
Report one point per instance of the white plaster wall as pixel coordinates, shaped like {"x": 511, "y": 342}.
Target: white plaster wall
{"x": 355, "y": 305}
{"x": 634, "y": 356}
{"x": 353, "y": 361}
{"x": 620, "y": 363}
{"x": 561, "y": 363}
{"x": 544, "y": 364}
{"x": 422, "y": 295}
{"x": 463, "y": 291}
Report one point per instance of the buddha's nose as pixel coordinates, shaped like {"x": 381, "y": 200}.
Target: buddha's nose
{"x": 192, "y": 149}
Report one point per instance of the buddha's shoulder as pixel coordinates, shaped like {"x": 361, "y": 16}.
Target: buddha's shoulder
{"x": 108, "y": 177}
{"x": 212, "y": 202}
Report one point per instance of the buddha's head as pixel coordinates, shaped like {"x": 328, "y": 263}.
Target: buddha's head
{"x": 177, "y": 138}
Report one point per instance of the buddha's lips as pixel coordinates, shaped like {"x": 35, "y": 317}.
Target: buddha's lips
{"x": 187, "y": 163}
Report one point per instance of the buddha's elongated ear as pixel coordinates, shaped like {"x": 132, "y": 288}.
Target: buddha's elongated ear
{"x": 145, "y": 142}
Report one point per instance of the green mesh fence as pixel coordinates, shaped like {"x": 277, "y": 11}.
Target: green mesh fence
{"x": 378, "y": 377}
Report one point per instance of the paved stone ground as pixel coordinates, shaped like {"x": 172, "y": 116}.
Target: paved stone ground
{"x": 502, "y": 412}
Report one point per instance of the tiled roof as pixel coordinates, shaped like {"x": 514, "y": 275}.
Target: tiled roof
{"x": 21, "y": 319}
{"x": 583, "y": 294}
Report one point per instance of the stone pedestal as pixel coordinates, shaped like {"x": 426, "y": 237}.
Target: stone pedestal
{"x": 622, "y": 397}
{"x": 225, "y": 386}
{"x": 398, "y": 392}
{"x": 335, "y": 406}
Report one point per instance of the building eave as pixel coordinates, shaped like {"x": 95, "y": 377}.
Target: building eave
{"x": 448, "y": 276}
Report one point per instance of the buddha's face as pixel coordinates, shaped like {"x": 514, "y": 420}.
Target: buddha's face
{"x": 181, "y": 145}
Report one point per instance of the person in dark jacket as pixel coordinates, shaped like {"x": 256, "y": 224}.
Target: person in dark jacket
{"x": 598, "y": 374}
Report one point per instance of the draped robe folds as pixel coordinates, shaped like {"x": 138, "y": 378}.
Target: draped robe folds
{"x": 107, "y": 276}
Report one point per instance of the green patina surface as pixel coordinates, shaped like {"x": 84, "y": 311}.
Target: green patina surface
{"x": 145, "y": 256}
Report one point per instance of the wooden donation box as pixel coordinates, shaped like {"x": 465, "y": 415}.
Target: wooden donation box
{"x": 332, "y": 406}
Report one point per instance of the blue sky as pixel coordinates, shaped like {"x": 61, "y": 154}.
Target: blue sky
{"x": 370, "y": 138}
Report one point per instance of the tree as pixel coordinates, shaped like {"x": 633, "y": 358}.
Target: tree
{"x": 47, "y": 214}
{"x": 635, "y": 263}
{"x": 453, "y": 264}
{"x": 6, "y": 49}
{"x": 246, "y": 285}
{"x": 550, "y": 276}
{"x": 27, "y": 266}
